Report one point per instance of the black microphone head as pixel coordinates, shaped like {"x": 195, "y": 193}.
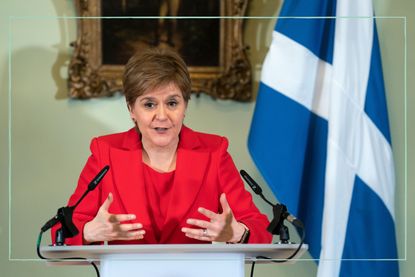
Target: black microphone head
{"x": 254, "y": 186}
{"x": 94, "y": 183}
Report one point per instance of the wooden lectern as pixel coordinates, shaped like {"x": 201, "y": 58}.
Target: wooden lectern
{"x": 175, "y": 260}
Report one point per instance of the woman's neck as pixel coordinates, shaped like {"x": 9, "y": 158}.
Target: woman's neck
{"x": 162, "y": 159}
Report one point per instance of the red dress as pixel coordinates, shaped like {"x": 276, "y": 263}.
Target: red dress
{"x": 204, "y": 170}
{"x": 158, "y": 189}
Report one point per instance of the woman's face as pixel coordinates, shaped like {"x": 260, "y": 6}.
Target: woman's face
{"x": 159, "y": 114}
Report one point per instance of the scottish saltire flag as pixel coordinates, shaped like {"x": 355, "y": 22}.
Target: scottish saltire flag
{"x": 320, "y": 134}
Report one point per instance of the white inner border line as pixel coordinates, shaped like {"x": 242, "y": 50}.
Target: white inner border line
{"x": 11, "y": 18}
{"x": 10, "y": 131}
{"x": 405, "y": 140}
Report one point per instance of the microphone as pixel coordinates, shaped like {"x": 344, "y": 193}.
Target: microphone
{"x": 254, "y": 186}
{"x": 94, "y": 183}
{"x": 258, "y": 190}
{"x": 64, "y": 214}
{"x": 276, "y": 226}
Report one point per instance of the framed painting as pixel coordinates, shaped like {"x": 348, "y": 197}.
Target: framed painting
{"x": 206, "y": 33}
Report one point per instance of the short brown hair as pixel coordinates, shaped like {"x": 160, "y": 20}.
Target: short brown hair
{"x": 152, "y": 68}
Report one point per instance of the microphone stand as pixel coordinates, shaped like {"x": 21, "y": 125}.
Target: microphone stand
{"x": 64, "y": 216}
{"x": 280, "y": 212}
{"x": 68, "y": 228}
{"x": 276, "y": 226}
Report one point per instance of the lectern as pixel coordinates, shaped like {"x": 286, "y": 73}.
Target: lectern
{"x": 172, "y": 260}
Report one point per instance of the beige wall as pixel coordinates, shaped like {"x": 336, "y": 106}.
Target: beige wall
{"x": 50, "y": 134}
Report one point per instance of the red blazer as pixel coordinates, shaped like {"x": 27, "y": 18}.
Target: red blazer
{"x": 204, "y": 170}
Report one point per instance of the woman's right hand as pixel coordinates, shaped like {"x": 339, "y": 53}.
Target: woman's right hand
{"x": 107, "y": 227}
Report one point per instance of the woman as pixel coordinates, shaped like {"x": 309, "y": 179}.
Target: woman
{"x": 167, "y": 183}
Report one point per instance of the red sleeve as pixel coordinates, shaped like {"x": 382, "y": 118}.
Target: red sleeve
{"x": 240, "y": 200}
{"x": 89, "y": 206}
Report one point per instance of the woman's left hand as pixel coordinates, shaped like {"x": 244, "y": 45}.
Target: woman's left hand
{"x": 221, "y": 227}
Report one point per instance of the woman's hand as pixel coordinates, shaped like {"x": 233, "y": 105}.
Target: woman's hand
{"x": 107, "y": 227}
{"x": 221, "y": 227}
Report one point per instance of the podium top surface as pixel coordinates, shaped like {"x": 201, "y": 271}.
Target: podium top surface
{"x": 251, "y": 251}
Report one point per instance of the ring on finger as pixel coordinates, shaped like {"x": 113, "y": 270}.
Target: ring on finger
{"x": 205, "y": 233}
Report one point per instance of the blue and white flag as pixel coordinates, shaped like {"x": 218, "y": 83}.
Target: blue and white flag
{"x": 320, "y": 134}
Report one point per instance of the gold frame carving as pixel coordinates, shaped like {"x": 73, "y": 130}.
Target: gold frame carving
{"x": 88, "y": 77}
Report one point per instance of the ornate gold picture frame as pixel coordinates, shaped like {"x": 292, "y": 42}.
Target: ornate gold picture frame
{"x": 228, "y": 77}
